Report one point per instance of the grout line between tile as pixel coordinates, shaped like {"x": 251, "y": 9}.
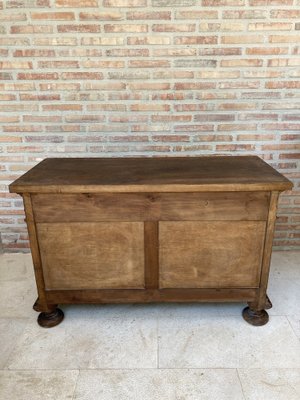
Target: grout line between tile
{"x": 75, "y": 386}
{"x": 289, "y": 322}
{"x": 239, "y": 378}
{"x": 157, "y": 331}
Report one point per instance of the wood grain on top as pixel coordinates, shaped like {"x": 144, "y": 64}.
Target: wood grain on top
{"x": 165, "y": 174}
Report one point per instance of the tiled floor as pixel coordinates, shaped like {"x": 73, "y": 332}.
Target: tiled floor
{"x": 149, "y": 352}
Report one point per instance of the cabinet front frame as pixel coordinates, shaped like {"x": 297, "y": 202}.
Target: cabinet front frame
{"x": 151, "y": 293}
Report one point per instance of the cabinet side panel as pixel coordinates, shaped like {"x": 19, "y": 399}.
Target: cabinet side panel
{"x": 214, "y": 254}
{"x": 92, "y": 255}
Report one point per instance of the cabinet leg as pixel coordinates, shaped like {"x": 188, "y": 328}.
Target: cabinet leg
{"x": 268, "y": 303}
{"x": 49, "y": 316}
{"x": 50, "y": 319}
{"x": 255, "y": 317}
{"x": 37, "y": 307}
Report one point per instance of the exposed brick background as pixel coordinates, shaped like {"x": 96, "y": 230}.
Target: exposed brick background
{"x": 149, "y": 77}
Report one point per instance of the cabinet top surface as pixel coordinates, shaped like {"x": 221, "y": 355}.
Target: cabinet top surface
{"x": 164, "y": 174}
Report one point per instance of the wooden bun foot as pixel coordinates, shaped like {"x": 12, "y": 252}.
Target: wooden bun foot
{"x": 48, "y": 320}
{"x": 256, "y": 318}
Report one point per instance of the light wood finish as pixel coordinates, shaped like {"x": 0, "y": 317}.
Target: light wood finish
{"x": 151, "y": 230}
{"x": 149, "y": 296}
{"x": 173, "y": 174}
{"x": 44, "y": 306}
{"x": 151, "y": 206}
{"x": 92, "y": 255}
{"x": 262, "y": 298}
{"x": 210, "y": 254}
{"x": 151, "y": 255}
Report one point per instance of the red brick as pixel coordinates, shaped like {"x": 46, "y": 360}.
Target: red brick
{"x": 57, "y": 41}
{"x": 103, "y": 64}
{"x": 173, "y": 27}
{"x": 53, "y": 16}
{"x": 39, "y": 97}
{"x": 150, "y": 107}
{"x": 29, "y": 29}
{"x": 10, "y": 139}
{"x": 225, "y": 51}
{"x": 220, "y": 3}
{"x": 174, "y": 52}
{"x": 242, "y": 39}
{"x": 173, "y": 74}
{"x": 242, "y": 63}
{"x": 142, "y": 15}
{"x": 149, "y": 40}
{"x": 196, "y": 40}
{"x": 62, "y": 107}
{"x": 9, "y": 118}
{"x": 15, "y": 65}
{"x": 234, "y": 147}
{"x": 124, "y": 3}
{"x": 34, "y": 53}
{"x": 283, "y": 85}
{"x": 58, "y": 64}
{"x": 148, "y": 64}
{"x": 59, "y": 86}
{"x": 271, "y": 2}
{"x": 237, "y": 106}
{"x": 79, "y": 28}
{"x": 7, "y": 97}
{"x": 270, "y": 26}
{"x": 42, "y": 118}
{"x": 244, "y": 14}
{"x": 194, "y": 86}
{"x": 127, "y": 53}
{"x": 148, "y": 86}
{"x": 193, "y": 128}
{"x": 82, "y": 75}
{"x": 38, "y": 76}
{"x": 196, "y": 14}
{"x": 77, "y": 3}
{"x": 267, "y": 50}
{"x": 288, "y": 14}
{"x": 101, "y": 16}
{"x": 106, "y": 107}
{"x": 102, "y": 41}
{"x": 171, "y": 118}
{"x": 125, "y": 28}
{"x": 12, "y": 17}
{"x": 284, "y": 38}
{"x": 237, "y": 127}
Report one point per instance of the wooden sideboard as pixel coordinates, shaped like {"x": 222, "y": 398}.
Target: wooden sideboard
{"x": 116, "y": 230}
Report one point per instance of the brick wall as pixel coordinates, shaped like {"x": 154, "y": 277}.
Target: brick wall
{"x": 149, "y": 77}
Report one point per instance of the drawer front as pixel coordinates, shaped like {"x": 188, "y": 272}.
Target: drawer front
{"x": 237, "y": 206}
{"x": 92, "y": 255}
{"x": 215, "y": 254}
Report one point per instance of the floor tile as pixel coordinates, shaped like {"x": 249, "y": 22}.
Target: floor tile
{"x": 11, "y": 331}
{"x": 15, "y": 267}
{"x": 189, "y": 341}
{"x": 294, "y": 321}
{"x": 284, "y": 295}
{"x": 37, "y": 385}
{"x": 18, "y": 297}
{"x": 273, "y": 384}
{"x": 158, "y": 384}
{"x": 285, "y": 263}
{"x": 91, "y": 337}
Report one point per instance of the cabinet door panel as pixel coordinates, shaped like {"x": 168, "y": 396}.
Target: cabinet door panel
{"x": 210, "y": 254}
{"x": 92, "y": 255}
